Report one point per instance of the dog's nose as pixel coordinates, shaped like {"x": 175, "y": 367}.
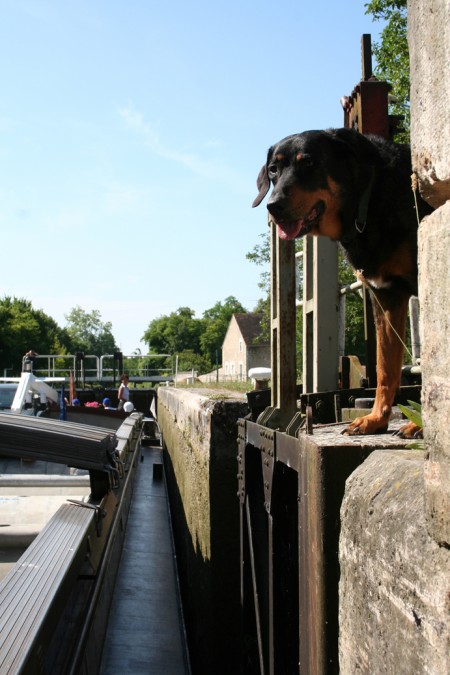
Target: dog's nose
{"x": 276, "y": 208}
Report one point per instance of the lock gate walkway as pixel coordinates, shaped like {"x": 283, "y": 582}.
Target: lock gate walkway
{"x": 145, "y": 631}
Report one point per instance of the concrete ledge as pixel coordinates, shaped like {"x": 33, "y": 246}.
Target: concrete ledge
{"x": 395, "y": 580}
{"x": 199, "y": 429}
{"x": 200, "y": 433}
{"x": 23, "y": 516}
{"x": 40, "y": 480}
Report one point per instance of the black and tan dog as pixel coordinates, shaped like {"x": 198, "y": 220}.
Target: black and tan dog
{"x": 356, "y": 190}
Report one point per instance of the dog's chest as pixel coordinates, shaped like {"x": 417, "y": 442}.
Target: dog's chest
{"x": 378, "y": 282}
{"x": 382, "y": 270}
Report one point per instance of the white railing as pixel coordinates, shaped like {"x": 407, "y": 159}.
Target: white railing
{"x": 103, "y": 369}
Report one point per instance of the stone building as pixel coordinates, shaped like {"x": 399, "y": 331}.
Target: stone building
{"x": 244, "y": 347}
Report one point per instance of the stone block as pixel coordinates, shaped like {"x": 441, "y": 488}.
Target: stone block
{"x": 434, "y": 293}
{"x": 429, "y": 51}
{"x": 395, "y": 579}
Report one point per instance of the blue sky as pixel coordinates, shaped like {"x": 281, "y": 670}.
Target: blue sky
{"x": 131, "y": 135}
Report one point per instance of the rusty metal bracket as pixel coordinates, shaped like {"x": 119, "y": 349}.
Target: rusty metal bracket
{"x": 267, "y": 447}
{"x": 99, "y": 513}
{"x": 309, "y": 421}
{"x": 241, "y": 461}
{"x": 307, "y": 426}
{"x": 271, "y": 418}
{"x": 295, "y": 424}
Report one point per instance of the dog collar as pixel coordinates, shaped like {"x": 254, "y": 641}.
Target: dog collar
{"x": 363, "y": 206}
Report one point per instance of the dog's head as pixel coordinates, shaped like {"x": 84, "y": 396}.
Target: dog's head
{"x": 317, "y": 177}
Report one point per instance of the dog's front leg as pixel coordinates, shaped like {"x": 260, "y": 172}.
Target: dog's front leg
{"x": 390, "y": 312}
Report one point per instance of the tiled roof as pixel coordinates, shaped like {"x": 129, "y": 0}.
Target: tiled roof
{"x": 250, "y": 326}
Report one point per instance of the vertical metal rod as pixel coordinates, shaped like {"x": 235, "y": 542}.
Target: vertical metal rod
{"x": 366, "y": 54}
{"x": 414, "y": 324}
{"x": 283, "y": 327}
{"x": 370, "y": 338}
{"x": 341, "y": 327}
{"x": 255, "y": 587}
{"x": 270, "y": 553}
{"x": 274, "y": 313}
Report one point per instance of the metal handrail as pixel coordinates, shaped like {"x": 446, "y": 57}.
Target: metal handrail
{"x": 100, "y": 371}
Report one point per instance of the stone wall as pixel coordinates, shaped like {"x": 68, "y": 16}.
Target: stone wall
{"x": 200, "y": 439}
{"x": 393, "y": 597}
{"x": 434, "y": 252}
{"x": 429, "y": 51}
{"x": 394, "y": 591}
{"x": 429, "y": 45}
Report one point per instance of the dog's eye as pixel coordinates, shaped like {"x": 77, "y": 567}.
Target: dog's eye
{"x": 272, "y": 170}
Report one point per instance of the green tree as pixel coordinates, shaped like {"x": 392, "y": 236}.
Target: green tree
{"x": 88, "y": 333}
{"x": 23, "y": 328}
{"x": 392, "y": 56}
{"x": 197, "y": 342}
{"x": 260, "y": 255}
{"x": 354, "y": 313}
{"x": 188, "y": 360}
{"x": 174, "y": 333}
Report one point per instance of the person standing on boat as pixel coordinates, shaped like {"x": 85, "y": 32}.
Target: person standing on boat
{"x": 124, "y": 393}
{"x": 28, "y": 361}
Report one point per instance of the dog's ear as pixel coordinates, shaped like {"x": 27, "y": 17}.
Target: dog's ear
{"x": 263, "y": 185}
{"x": 263, "y": 181}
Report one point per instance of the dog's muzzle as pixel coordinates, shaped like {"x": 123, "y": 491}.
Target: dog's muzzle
{"x": 296, "y": 228}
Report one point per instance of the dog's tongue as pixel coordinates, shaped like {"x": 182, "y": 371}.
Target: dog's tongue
{"x": 292, "y": 229}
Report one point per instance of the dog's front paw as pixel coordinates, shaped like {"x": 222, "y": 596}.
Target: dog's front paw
{"x": 364, "y": 426}
{"x": 410, "y": 430}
